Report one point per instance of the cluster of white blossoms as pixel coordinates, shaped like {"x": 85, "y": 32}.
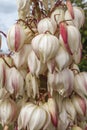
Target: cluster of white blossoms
{"x": 41, "y": 86}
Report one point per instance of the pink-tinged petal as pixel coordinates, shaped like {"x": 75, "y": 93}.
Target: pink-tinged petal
{"x": 79, "y": 104}
{"x": 70, "y": 8}
{"x": 51, "y": 65}
{"x": 53, "y": 111}
{"x": 15, "y": 85}
{"x": 86, "y": 128}
{"x": 54, "y": 120}
{"x": 64, "y": 34}
{"x": 82, "y": 105}
{"x": 17, "y": 37}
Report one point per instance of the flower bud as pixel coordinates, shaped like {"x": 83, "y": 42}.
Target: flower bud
{"x": 15, "y": 82}
{"x": 15, "y": 37}
{"x": 79, "y": 104}
{"x": 45, "y": 46}
{"x": 35, "y": 66}
{"x": 45, "y": 25}
{"x": 8, "y": 111}
{"x": 53, "y": 111}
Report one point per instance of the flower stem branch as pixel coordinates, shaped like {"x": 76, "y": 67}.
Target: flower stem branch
{"x": 3, "y": 34}
{"x": 37, "y": 8}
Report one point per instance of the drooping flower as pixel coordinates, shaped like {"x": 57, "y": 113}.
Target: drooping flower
{"x": 45, "y": 46}
{"x": 15, "y": 82}
{"x": 36, "y": 67}
{"x": 8, "y": 111}
{"x": 15, "y": 37}
{"x": 33, "y": 117}
{"x": 70, "y": 38}
{"x": 46, "y": 25}
{"x": 79, "y": 104}
{"x": 78, "y": 19}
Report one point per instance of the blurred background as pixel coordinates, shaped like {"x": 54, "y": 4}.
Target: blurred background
{"x": 8, "y": 16}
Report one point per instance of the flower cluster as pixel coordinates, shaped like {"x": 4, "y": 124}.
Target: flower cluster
{"x": 41, "y": 86}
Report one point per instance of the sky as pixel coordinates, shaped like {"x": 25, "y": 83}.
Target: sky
{"x": 8, "y": 16}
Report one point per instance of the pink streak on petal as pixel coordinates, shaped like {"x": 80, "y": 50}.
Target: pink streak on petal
{"x": 54, "y": 120}
{"x": 82, "y": 105}
{"x": 17, "y": 37}
{"x": 64, "y": 34}
{"x": 86, "y": 128}
{"x": 70, "y": 8}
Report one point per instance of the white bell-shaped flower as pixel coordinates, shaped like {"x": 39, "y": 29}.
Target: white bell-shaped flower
{"x": 79, "y": 104}
{"x": 80, "y": 86}
{"x": 78, "y": 19}
{"x": 33, "y": 117}
{"x": 61, "y": 82}
{"x": 45, "y": 46}
{"x": 8, "y": 111}
{"x": 70, "y": 38}
{"x": 35, "y": 65}
{"x": 45, "y": 25}
{"x": 58, "y": 15}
